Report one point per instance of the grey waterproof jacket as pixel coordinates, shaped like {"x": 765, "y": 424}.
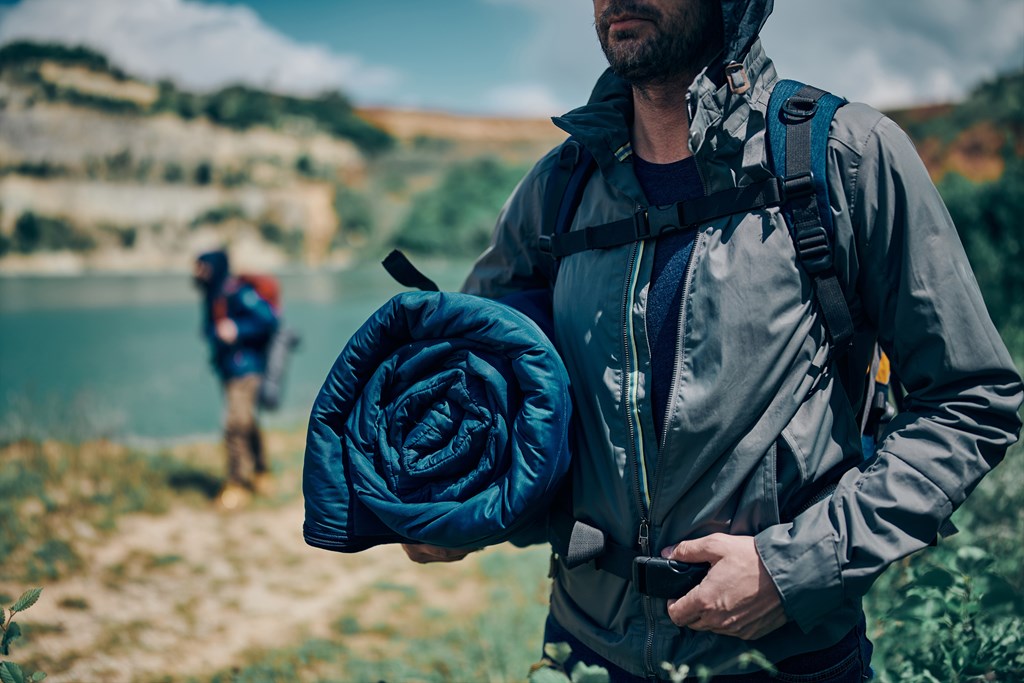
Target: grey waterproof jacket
{"x": 758, "y": 420}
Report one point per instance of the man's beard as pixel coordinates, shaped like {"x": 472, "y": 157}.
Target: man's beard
{"x": 685, "y": 39}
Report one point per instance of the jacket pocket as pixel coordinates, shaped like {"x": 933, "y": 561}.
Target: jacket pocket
{"x": 790, "y": 475}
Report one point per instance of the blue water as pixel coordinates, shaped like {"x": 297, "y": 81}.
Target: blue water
{"x": 121, "y": 356}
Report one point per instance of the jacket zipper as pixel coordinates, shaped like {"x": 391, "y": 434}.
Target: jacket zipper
{"x": 636, "y": 446}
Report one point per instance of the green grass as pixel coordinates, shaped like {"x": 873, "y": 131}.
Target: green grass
{"x": 393, "y": 633}
{"x": 49, "y": 490}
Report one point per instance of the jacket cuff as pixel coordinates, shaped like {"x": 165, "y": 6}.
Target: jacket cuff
{"x": 803, "y": 561}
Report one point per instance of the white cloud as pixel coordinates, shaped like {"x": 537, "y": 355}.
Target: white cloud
{"x": 199, "y": 45}
{"x": 523, "y": 99}
{"x": 561, "y": 52}
{"x": 893, "y": 54}
{"x": 885, "y": 52}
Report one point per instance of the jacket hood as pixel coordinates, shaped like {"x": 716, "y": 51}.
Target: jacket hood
{"x": 743, "y": 20}
{"x": 218, "y": 263}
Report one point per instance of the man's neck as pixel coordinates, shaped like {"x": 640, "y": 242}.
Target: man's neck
{"x": 661, "y": 127}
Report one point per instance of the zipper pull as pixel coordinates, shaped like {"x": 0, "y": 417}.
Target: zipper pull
{"x": 644, "y": 537}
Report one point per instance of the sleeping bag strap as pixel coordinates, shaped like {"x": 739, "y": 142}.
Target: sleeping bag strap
{"x": 401, "y": 268}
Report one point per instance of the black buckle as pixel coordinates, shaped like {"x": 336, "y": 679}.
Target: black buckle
{"x": 544, "y": 244}
{"x": 798, "y": 185}
{"x": 655, "y": 220}
{"x": 812, "y": 244}
{"x": 662, "y": 218}
{"x": 798, "y": 109}
{"x": 661, "y": 578}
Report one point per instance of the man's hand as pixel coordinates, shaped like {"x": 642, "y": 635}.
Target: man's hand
{"x": 227, "y": 330}
{"x": 424, "y": 554}
{"x": 737, "y": 597}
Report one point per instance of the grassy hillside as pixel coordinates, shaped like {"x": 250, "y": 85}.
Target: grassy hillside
{"x": 239, "y": 107}
{"x": 974, "y": 138}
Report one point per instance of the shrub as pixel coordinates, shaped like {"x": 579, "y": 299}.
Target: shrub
{"x": 42, "y": 233}
{"x": 355, "y": 214}
{"x": 457, "y": 218}
{"x": 986, "y": 216}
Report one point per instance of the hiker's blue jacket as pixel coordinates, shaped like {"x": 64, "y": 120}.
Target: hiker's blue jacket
{"x": 226, "y": 296}
{"x": 443, "y": 421}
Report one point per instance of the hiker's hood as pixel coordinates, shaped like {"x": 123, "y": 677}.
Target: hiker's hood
{"x": 218, "y": 262}
{"x": 743, "y": 20}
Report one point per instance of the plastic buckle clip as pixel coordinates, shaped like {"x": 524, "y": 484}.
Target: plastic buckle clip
{"x": 661, "y": 578}
{"x": 544, "y": 244}
{"x": 798, "y": 109}
{"x": 662, "y": 218}
{"x": 812, "y": 244}
{"x": 736, "y": 75}
{"x": 798, "y": 185}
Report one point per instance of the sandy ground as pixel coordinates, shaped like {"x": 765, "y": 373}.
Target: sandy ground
{"x": 187, "y": 592}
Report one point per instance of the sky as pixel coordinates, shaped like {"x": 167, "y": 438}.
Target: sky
{"x": 513, "y": 57}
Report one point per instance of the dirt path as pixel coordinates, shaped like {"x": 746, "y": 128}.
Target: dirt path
{"x": 189, "y": 591}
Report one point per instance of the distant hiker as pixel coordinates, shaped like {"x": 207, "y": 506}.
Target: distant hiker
{"x": 735, "y": 250}
{"x": 239, "y": 324}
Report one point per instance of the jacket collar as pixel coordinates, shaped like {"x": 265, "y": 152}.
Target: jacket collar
{"x": 718, "y": 119}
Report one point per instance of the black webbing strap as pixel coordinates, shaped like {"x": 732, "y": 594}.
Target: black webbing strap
{"x": 813, "y": 244}
{"x": 577, "y": 543}
{"x": 570, "y": 155}
{"x": 401, "y": 268}
{"x": 659, "y": 220}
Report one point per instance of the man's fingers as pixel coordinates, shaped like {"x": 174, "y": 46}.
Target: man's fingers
{"x": 706, "y": 549}
{"x": 688, "y": 609}
{"x": 423, "y": 553}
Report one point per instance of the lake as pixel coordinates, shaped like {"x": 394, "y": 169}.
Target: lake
{"x": 121, "y": 356}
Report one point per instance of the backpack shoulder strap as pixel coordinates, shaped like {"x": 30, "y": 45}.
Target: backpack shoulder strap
{"x": 799, "y": 118}
{"x": 563, "y": 194}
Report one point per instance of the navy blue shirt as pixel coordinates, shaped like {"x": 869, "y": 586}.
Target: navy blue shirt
{"x": 667, "y": 184}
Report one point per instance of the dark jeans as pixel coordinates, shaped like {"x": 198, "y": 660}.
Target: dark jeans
{"x": 848, "y": 661}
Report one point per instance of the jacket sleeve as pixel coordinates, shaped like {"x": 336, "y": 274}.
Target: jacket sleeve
{"x": 254, "y": 317}
{"x": 512, "y": 262}
{"x": 961, "y": 414}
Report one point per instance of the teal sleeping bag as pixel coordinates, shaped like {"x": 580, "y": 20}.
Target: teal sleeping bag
{"x": 444, "y": 421}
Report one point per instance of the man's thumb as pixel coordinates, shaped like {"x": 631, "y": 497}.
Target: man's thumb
{"x": 695, "y": 550}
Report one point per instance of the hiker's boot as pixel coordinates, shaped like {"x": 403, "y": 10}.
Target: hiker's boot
{"x": 263, "y": 484}
{"x": 233, "y": 497}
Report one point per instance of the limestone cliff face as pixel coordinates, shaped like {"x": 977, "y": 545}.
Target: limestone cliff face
{"x": 92, "y": 178}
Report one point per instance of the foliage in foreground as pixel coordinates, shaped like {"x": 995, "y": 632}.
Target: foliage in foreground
{"x": 456, "y": 219}
{"x": 9, "y": 671}
{"x": 955, "y": 613}
{"x": 553, "y": 668}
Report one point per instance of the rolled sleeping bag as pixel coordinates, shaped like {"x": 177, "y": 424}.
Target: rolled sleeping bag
{"x": 443, "y": 421}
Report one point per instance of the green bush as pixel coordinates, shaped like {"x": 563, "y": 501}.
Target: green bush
{"x": 34, "y": 233}
{"x": 242, "y": 107}
{"x": 986, "y": 216}
{"x": 27, "y": 52}
{"x": 219, "y": 214}
{"x": 355, "y": 214}
{"x": 457, "y": 218}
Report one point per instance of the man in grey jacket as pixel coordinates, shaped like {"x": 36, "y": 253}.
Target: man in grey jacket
{"x": 711, "y": 412}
